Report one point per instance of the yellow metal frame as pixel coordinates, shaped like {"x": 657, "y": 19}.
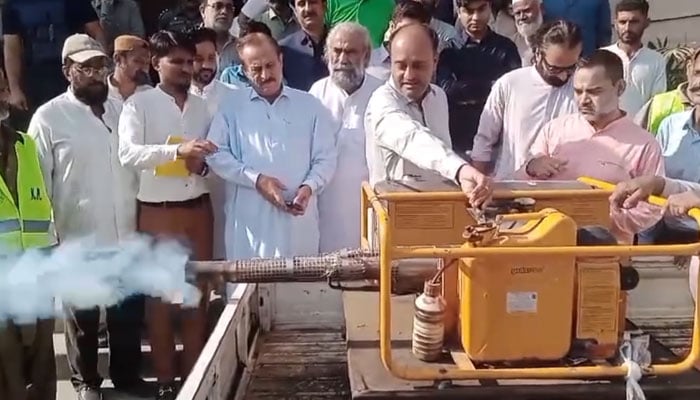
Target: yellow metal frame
{"x": 388, "y": 252}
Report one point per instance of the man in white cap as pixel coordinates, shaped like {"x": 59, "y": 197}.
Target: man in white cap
{"x": 76, "y": 136}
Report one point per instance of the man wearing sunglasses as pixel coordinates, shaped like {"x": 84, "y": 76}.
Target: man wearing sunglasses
{"x": 522, "y": 101}
{"x": 218, "y": 15}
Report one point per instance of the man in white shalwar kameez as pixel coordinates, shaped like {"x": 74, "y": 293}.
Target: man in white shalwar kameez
{"x": 277, "y": 153}
{"x": 345, "y": 93}
{"x": 213, "y": 91}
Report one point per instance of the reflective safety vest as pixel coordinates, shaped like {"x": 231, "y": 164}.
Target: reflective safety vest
{"x": 663, "y": 105}
{"x": 27, "y": 226}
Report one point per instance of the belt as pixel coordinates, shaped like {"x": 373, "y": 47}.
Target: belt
{"x": 196, "y": 202}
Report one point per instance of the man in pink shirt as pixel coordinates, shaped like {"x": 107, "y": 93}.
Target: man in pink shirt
{"x": 599, "y": 141}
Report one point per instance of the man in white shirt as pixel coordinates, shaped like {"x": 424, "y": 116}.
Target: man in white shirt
{"x": 345, "y": 93}
{"x": 213, "y": 91}
{"x": 522, "y": 101}
{"x": 132, "y": 60}
{"x": 93, "y": 199}
{"x": 407, "y": 122}
{"x": 528, "y": 16}
{"x": 276, "y": 153}
{"x": 645, "y": 69}
{"x": 161, "y": 133}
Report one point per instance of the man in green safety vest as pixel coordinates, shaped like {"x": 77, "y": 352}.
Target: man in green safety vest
{"x": 664, "y": 104}
{"x": 27, "y": 367}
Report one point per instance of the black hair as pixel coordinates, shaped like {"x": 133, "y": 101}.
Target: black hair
{"x": 633, "y": 5}
{"x": 465, "y": 3}
{"x": 255, "y": 27}
{"x": 609, "y": 61}
{"x": 256, "y": 39}
{"x": 163, "y": 42}
{"x": 202, "y": 34}
{"x": 434, "y": 40}
{"x": 557, "y": 32}
{"x": 413, "y": 10}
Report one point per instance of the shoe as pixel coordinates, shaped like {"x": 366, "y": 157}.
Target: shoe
{"x": 166, "y": 392}
{"x": 89, "y": 393}
{"x": 137, "y": 388}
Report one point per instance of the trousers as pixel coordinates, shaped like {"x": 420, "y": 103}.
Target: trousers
{"x": 27, "y": 366}
{"x": 192, "y": 224}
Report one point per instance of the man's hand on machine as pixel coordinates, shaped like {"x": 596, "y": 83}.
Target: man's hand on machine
{"x": 679, "y": 204}
{"x": 475, "y": 185}
{"x": 629, "y": 193}
{"x": 545, "y": 167}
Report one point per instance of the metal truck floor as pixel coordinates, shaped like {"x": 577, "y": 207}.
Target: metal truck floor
{"x": 300, "y": 364}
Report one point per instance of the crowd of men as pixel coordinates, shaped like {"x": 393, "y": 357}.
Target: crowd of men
{"x": 247, "y": 132}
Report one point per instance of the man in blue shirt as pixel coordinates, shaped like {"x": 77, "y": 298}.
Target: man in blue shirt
{"x": 303, "y": 50}
{"x": 592, "y": 16}
{"x": 679, "y": 136}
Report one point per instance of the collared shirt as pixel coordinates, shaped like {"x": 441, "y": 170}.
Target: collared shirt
{"x": 116, "y": 95}
{"x": 291, "y": 139}
{"x": 519, "y": 105}
{"x": 592, "y": 16}
{"x": 645, "y": 75}
{"x": 279, "y": 28}
{"x": 147, "y": 120}
{"x": 228, "y": 55}
{"x": 92, "y": 195}
{"x": 213, "y": 94}
{"x": 372, "y": 14}
{"x": 303, "y": 60}
{"x": 467, "y": 74}
{"x": 339, "y": 204}
{"x": 680, "y": 144}
{"x": 380, "y": 63}
{"x": 407, "y": 139}
{"x": 620, "y": 151}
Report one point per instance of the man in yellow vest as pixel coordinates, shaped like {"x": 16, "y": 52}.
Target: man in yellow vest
{"x": 27, "y": 367}
{"x": 664, "y": 104}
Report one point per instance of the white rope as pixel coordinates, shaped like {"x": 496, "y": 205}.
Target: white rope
{"x": 636, "y": 357}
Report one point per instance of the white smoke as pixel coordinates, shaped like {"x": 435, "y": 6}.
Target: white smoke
{"x": 85, "y": 276}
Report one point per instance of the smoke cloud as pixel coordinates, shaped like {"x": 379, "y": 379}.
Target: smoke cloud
{"x": 86, "y": 276}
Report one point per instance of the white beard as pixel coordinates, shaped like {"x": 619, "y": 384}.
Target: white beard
{"x": 529, "y": 29}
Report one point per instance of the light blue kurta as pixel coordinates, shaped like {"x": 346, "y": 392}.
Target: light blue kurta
{"x": 293, "y": 140}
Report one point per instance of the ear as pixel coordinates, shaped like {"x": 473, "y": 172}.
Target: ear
{"x": 621, "y": 86}
{"x": 66, "y": 72}
{"x": 154, "y": 63}
{"x": 201, "y": 10}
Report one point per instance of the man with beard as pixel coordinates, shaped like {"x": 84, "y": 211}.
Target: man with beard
{"x": 407, "y": 122}
{"x": 528, "y": 18}
{"x": 184, "y": 17}
{"x": 92, "y": 202}
{"x": 131, "y": 60}
{"x": 27, "y": 367}
{"x": 213, "y": 92}
{"x": 677, "y": 136}
{"x": 521, "y": 102}
{"x": 218, "y": 15}
{"x": 599, "y": 141}
{"x": 160, "y": 128}
{"x": 466, "y": 73}
{"x": 303, "y": 50}
{"x": 345, "y": 93}
{"x": 645, "y": 69}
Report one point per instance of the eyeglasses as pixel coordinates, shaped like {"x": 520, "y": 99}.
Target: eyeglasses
{"x": 556, "y": 70}
{"x": 90, "y": 70}
{"x": 219, "y": 6}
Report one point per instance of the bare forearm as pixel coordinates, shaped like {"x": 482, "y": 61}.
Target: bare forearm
{"x": 12, "y": 52}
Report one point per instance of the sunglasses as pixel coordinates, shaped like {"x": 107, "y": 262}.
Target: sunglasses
{"x": 556, "y": 70}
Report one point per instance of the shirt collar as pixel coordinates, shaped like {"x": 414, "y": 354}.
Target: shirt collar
{"x": 253, "y": 94}
{"x": 273, "y": 15}
{"x": 470, "y": 40}
{"x": 431, "y": 92}
{"x": 206, "y": 90}
{"x": 689, "y": 124}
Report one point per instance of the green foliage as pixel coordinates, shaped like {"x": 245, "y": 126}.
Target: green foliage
{"x": 676, "y": 59}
